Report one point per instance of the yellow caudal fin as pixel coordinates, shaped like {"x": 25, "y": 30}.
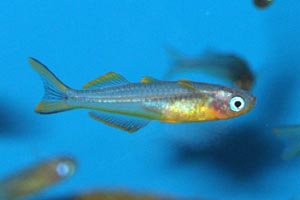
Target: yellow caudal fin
{"x": 55, "y": 96}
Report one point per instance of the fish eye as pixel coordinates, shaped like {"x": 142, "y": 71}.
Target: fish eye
{"x": 237, "y": 104}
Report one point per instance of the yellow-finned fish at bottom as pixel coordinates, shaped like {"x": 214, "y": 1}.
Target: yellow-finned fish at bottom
{"x": 130, "y": 106}
{"x": 36, "y": 178}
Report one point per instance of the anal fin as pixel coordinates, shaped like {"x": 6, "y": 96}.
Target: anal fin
{"x": 123, "y": 122}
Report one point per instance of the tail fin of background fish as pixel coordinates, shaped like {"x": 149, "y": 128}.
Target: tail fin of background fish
{"x": 177, "y": 61}
{"x": 55, "y": 96}
{"x": 291, "y": 136}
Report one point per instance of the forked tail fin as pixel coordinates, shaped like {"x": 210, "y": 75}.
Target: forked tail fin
{"x": 55, "y": 97}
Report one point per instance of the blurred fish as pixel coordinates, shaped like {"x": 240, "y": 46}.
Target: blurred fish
{"x": 262, "y": 3}
{"x": 36, "y": 178}
{"x": 118, "y": 195}
{"x": 131, "y": 106}
{"x": 291, "y": 134}
{"x": 226, "y": 66}
{"x": 112, "y": 195}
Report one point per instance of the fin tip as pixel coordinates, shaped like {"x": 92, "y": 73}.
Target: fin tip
{"x": 49, "y": 107}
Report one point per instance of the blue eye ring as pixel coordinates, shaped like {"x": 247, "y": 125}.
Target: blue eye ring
{"x": 237, "y": 104}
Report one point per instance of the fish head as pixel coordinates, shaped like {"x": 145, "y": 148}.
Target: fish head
{"x": 61, "y": 167}
{"x": 229, "y": 103}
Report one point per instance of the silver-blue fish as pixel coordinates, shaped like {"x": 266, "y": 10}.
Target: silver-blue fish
{"x": 131, "y": 106}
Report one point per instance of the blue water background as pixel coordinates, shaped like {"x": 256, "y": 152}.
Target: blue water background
{"x": 81, "y": 40}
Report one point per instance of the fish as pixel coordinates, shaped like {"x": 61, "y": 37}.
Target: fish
{"x": 291, "y": 135}
{"x": 37, "y": 177}
{"x": 128, "y": 106}
{"x": 226, "y": 66}
{"x": 262, "y": 3}
{"x": 115, "y": 194}
{"x": 111, "y": 195}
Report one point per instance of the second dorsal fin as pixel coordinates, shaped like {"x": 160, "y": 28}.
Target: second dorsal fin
{"x": 149, "y": 79}
{"x": 107, "y": 80}
{"x": 186, "y": 84}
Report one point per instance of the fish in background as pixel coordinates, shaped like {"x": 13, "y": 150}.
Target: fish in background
{"x": 112, "y": 195}
{"x": 118, "y": 195}
{"x": 291, "y": 135}
{"x": 131, "y": 106}
{"x": 36, "y": 178}
{"x": 262, "y": 3}
{"x": 222, "y": 65}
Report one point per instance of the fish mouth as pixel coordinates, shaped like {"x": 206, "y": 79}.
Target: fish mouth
{"x": 251, "y": 104}
{"x": 253, "y": 100}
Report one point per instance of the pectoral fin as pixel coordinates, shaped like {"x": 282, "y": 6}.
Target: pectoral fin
{"x": 125, "y": 123}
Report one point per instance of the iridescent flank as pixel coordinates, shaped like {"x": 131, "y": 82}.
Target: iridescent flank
{"x": 191, "y": 110}
{"x": 130, "y": 106}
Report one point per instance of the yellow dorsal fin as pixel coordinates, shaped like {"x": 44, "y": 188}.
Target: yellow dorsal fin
{"x": 148, "y": 79}
{"x": 186, "y": 84}
{"x": 107, "y": 80}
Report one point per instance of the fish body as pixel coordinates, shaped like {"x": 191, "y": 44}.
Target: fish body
{"x": 164, "y": 101}
{"x": 36, "y": 178}
{"x": 222, "y": 65}
{"x": 130, "y": 106}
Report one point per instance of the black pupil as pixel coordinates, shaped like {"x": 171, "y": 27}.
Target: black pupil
{"x": 237, "y": 104}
